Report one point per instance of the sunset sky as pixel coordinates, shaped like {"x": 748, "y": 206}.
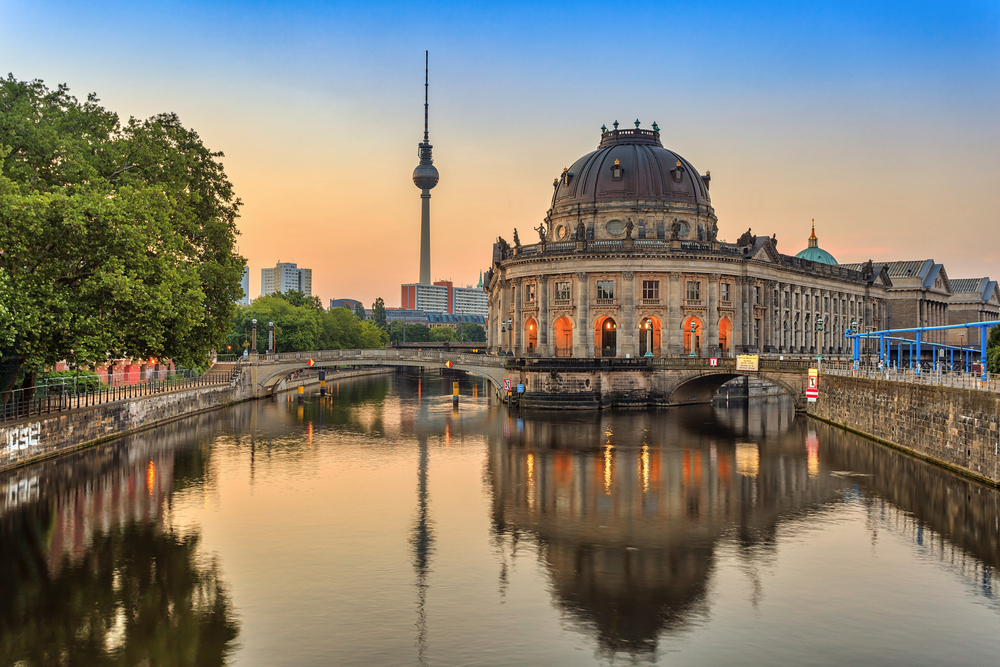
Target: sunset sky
{"x": 879, "y": 120}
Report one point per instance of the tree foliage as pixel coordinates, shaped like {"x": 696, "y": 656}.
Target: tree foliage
{"x": 378, "y": 313}
{"x": 359, "y": 311}
{"x": 414, "y": 333}
{"x": 471, "y": 333}
{"x": 298, "y": 298}
{"x": 302, "y": 328}
{"x": 116, "y": 238}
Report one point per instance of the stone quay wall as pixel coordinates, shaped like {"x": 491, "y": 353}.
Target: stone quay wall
{"x": 953, "y": 427}
{"x": 46, "y": 436}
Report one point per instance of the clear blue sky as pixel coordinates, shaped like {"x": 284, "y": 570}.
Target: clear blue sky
{"x": 880, "y": 120}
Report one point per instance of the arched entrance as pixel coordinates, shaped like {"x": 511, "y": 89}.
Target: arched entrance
{"x": 563, "y": 329}
{"x": 692, "y": 339}
{"x": 725, "y": 336}
{"x": 531, "y": 335}
{"x": 606, "y": 337}
{"x": 649, "y": 336}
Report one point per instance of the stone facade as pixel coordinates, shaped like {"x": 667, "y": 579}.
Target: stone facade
{"x": 957, "y": 428}
{"x": 628, "y": 261}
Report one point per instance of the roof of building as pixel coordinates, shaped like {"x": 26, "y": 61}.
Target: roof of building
{"x": 446, "y": 318}
{"x": 973, "y": 285}
{"x": 645, "y": 170}
{"x": 927, "y": 272}
{"x": 813, "y": 252}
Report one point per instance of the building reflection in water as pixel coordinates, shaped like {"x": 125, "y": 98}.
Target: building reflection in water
{"x": 629, "y": 510}
{"x": 93, "y": 567}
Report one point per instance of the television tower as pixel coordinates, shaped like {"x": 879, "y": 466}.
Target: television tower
{"x": 425, "y": 177}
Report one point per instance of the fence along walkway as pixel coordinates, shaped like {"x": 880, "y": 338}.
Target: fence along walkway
{"x": 24, "y": 403}
{"x": 938, "y": 378}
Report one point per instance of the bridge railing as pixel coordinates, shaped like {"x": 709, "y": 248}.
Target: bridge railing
{"x": 939, "y": 378}
{"x": 387, "y": 355}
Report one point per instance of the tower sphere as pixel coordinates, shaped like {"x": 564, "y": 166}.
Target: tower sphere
{"x": 425, "y": 176}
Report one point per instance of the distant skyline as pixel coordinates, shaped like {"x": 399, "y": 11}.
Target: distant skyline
{"x": 881, "y": 121}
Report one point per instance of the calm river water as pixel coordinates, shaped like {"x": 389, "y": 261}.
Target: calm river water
{"x": 378, "y": 526}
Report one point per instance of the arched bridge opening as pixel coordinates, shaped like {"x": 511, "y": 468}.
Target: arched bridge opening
{"x": 702, "y": 387}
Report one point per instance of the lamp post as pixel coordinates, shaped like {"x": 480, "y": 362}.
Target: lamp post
{"x": 270, "y": 337}
{"x": 503, "y": 333}
{"x": 510, "y": 337}
{"x": 819, "y": 345}
{"x": 253, "y": 344}
{"x": 694, "y": 328}
{"x": 648, "y": 324}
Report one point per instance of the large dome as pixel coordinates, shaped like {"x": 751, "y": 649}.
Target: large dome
{"x": 631, "y": 164}
{"x": 631, "y": 179}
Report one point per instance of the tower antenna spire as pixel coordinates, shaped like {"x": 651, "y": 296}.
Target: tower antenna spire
{"x": 426, "y": 80}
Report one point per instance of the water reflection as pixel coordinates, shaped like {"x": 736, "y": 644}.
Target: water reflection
{"x": 629, "y": 510}
{"x": 93, "y": 571}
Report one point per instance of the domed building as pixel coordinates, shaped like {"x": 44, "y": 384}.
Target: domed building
{"x": 814, "y": 253}
{"x": 628, "y": 263}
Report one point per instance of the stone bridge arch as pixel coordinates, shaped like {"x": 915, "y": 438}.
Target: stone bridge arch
{"x": 700, "y": 386}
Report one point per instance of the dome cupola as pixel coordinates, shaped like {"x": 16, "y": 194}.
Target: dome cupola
{"x": 813, "y": 252}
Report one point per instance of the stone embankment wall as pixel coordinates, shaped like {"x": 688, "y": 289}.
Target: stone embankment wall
{"x": 957, "y": 428}
{"x": 51, "y": 435}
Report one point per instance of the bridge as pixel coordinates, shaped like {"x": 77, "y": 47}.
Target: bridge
{"x": 559, "y": 382}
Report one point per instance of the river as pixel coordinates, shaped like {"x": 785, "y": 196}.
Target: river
{"x": 380, "y": 525}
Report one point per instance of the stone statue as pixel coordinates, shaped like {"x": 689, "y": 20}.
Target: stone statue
{"x": 517, "y": 241}
{"x": 628, "y": 228}
{"x": 675, "y": 229}
{"x": 504, "y": 247}
{"x": 581, "y": 231}
{"x": 713, "y": 232}
{"x": 867, "y": 270}
{"x": 541, "y": 232}
{"x": 774, "y": 240}
{"x": 746, "y": 239}
{"x": 701, "y": 232}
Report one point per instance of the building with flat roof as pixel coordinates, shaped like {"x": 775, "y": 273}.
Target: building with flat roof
{"x": 350, "y": 304}
{"x": 285, "y": 277}
{"x": 444, "y": 297}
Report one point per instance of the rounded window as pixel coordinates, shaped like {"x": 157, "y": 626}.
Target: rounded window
{"x": 562, "y": 232}
{"x": 615, "y": 227}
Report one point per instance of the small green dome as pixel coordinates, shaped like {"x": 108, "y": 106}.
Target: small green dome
{"x": 814, "y": 253}
{"x": 817, "y": 254}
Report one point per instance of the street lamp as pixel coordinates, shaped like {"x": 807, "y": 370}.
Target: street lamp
{"x": 648, "y": 325}
{"x": 819, "y": 345}
{"x": 694, "y": 328}
{"x": 253, "y": 345}
{"x": 270, "y": 337}
{"x": 510, "y": 339}
{"x": 503, "y": 333}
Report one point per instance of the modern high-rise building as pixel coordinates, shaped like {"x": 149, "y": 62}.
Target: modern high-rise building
{"x": 285, "y": 277}
{"x": 444, "y": 297}
{"x": 245, "y": 284}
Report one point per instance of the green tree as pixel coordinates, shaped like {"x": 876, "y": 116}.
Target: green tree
{"x": 415, "y": 333}
{"x": 471, "y": 333}
{"x": 443, "y": 335}
{"x": 117, "y": 238}
{"x": 378, "y": 313}
{"x": 993, "y": 350}
{"x": 359, "y": 311}
{"x": 298, "y": 298}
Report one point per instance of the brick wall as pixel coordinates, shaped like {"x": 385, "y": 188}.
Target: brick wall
{"x": 958, "y": 428}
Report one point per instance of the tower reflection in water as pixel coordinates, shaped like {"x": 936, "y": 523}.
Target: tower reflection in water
{"x": 629, "y": 511}
{"x": 95, "y": 572}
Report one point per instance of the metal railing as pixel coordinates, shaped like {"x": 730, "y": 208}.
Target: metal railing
{"x": 938, "y": 378}
{"x": 386, "y": 355}
{"x": 23, "y": 403}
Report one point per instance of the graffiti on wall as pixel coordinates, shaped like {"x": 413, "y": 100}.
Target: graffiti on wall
{"x": 19, "y": 438}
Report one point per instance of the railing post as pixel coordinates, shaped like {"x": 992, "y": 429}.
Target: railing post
{"x": 983, "y": 357}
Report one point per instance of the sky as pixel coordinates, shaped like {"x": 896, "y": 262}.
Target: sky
{"x": 881, "y": 120}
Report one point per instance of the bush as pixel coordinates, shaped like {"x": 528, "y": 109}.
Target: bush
{"x": 70, "y": 382}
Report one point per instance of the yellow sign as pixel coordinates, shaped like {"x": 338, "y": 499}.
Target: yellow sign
{"x": 746, "y": 362}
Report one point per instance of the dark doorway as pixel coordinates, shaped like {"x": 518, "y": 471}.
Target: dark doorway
{"x": 609, "y": 338}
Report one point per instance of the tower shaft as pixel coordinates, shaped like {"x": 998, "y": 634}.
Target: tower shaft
{"x": 425, "y": 237}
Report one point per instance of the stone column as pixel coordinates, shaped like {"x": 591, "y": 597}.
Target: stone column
{"x": 517, "y": 296}
{"x": 674, "y": 341}
{"x": 544, "y": 346}
{"x": 628, "y": 344}
{"x": 743, "y": 311}
{"x": 712, "y": 316}
{"x": 582, "y": 345}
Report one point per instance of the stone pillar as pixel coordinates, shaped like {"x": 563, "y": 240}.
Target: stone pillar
{"x": 629, "y": 343}
{"x": 544, "y": 346}
{"x": 674, "y": 340}
{"x": 743, "y": 311}
{"x": 583, "y": 346}
{"x": 712, "y": 316}
{"x": 517, "y": 296}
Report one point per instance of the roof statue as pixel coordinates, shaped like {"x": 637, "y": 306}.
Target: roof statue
{"x": 813, "y": 252}
{"x": 747, "y": 239}
{"x": 541, "y": 232}
{"x": 517, "y": 241}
